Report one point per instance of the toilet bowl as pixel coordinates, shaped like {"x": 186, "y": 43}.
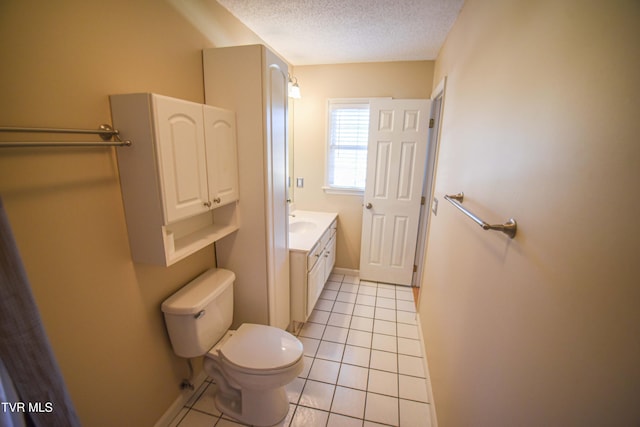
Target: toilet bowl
{"x": 250, "y": 366}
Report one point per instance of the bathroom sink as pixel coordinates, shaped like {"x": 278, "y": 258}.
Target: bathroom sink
{"x": 301, "y": 226}
{"x": 307, "y": 227}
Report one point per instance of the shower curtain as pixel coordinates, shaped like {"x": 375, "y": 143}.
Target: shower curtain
{"x": 29, "y": 367}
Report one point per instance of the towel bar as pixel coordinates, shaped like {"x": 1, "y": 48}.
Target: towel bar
{"x": 509, "y": 227}
{"x": 105, "y": 131}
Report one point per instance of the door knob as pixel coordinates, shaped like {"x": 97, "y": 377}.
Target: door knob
{"x": 368, "y": 206}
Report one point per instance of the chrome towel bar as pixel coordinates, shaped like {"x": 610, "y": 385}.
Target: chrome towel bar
{"x": 106, "y": 132}
{"x": 509, "y": 227}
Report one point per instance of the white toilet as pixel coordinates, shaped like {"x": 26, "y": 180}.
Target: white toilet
{"x": 250, "y": 365}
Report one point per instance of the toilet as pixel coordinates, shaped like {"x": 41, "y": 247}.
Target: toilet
{"x": 250, "y": 365}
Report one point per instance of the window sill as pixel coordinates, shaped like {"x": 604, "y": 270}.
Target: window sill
{"x": 343, "y": 191}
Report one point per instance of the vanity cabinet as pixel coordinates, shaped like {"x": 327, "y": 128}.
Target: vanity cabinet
{"x": 181, "y": 167}
{"x": 310, "y": 271}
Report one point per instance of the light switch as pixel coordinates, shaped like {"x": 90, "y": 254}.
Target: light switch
{"x": 299, "y": 182}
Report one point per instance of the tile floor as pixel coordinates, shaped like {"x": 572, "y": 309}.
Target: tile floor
{"x": 363, "y": 363}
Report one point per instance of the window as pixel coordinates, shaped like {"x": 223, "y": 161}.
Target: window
{"x": 347, "y": 139}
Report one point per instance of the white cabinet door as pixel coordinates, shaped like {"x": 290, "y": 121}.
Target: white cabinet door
{"x": 181, "y": 157}
{"x": 315, "y": 280}
{"x": 329, "y": 257}
{"x": 276, "y": 97}
{"x": 222, "y": 155}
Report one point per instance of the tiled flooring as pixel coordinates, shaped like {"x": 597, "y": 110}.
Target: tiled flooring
{"x": 363, "y": 363}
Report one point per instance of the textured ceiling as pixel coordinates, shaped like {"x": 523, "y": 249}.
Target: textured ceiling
{"x": 309, "y": 32}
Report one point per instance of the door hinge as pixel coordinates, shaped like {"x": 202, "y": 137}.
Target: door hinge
{"x": 431, "y": 123}
{"x": 423, "y": 200}
{"x": 415, "y": 268}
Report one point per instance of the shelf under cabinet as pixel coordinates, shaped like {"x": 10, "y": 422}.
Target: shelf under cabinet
{"x": 185, "y": 237}
{"x": 195, "y": 241}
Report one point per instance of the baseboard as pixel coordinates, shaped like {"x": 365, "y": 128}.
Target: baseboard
{"x": 180, "y": 401}
{"x": 434, "y": 418}
{"x": 346, "y": 271}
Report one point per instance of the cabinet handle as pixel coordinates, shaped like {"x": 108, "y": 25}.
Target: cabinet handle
{"x": 217, "y": 200}
{"x": 207, "y": 204}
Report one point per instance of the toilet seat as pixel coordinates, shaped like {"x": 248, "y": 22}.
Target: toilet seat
{"x": 261, "y": 349}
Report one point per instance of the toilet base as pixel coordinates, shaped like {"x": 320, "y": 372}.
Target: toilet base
{"x": 257, "y": 408}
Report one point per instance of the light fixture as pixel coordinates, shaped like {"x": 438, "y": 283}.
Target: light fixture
{"x": 294, "y": 89}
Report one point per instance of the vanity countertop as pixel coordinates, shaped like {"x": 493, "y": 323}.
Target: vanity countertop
{"x": 312, "y": 226}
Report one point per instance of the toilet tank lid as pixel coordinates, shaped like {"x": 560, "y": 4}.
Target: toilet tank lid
{"x": 199, "y": 292}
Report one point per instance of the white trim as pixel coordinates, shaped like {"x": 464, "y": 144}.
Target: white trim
{"x": 432, "y": 404}
{"x": 172, "y": 412}
{"x": 343, "y": 191}
{"x": 428, "y": 188}
{"x": 346, "y": 271}
{"x": 439, "y": 88}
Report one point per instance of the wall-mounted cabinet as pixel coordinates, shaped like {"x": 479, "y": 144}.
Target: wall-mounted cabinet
{"x": 179, "y": 179}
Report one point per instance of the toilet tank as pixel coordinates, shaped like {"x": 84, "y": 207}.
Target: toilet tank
{"x": 200, "y": 313}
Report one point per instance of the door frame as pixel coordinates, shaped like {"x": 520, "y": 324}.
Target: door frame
{"x": 437, "y": 107}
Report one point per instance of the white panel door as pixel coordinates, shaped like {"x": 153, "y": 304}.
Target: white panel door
{"x": 181, "y": 152}
{"x": 396, "y": 160}
{"x": 222, "y": 155}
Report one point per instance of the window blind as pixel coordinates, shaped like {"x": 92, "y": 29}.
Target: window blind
{"x": 348, "y": 140}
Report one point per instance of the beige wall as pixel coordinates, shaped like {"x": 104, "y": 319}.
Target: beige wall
{"x": 540, "y": 123}
{"x": 60, "y": 61}
{"x": 318, "y": 83}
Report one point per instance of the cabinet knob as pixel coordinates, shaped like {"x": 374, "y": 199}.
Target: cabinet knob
{"x": 217, "y": 200}
{"x": 207, "y": 204}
